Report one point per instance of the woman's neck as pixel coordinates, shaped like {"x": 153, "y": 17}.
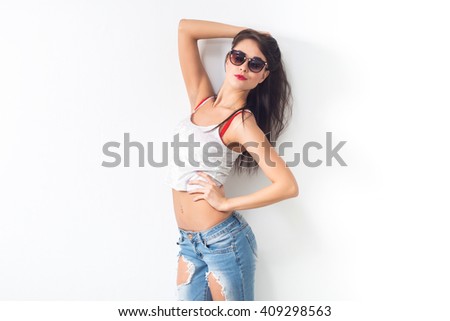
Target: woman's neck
{"x": 230, "y": 99}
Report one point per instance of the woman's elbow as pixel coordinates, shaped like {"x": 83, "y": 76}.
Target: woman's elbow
{"x": 293, "y": 190}
{"x": 183, "y": 24}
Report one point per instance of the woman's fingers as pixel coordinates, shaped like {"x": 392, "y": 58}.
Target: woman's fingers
{"x": 197, "y": 182}
{"x": 196, "y": 191}
{"x": 203, "y": 191}
{"x": 206, "y": 176}
{"x": 201, "y": 182}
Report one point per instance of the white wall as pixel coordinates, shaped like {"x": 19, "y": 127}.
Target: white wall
{"x": 77, "y": 74}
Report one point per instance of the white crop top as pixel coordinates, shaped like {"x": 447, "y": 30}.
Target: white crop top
{"x": 208, "y": 154}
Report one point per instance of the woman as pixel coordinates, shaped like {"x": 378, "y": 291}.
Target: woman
{"x": 218, "y": 248}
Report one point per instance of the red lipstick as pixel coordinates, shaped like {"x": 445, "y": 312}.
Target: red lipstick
{"x": 240, "y": 77}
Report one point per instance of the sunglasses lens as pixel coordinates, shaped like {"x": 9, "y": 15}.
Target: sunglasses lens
{"x": 256, "y": 65}
{"x": 237, "y": 57}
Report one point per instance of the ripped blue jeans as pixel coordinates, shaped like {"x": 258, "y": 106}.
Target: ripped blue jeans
{"x": 228, "y": 251}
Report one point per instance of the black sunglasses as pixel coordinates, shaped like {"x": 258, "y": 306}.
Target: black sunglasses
{"x": 255, "y": 64}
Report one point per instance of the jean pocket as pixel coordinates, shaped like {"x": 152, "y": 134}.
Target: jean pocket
{"x": 252, "y": 242}
{"x": 223, "y": 243}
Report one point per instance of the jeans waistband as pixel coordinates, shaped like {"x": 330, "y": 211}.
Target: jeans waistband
{"x": 231, "y": 222}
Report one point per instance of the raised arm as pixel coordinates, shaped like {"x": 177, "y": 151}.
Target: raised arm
{"x": 198, "y": 84}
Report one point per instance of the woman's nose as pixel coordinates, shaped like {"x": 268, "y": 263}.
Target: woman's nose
{"x": 244, "y": 66}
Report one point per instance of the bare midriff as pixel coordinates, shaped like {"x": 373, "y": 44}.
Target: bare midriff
{"x": 196, "y": 215}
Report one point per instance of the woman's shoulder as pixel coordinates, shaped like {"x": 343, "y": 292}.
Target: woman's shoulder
{"x": 241, "y": 118}
{"x": 245, "y": 132}
{"x": 242, "y": 110}
{"x": 201, "y": 99}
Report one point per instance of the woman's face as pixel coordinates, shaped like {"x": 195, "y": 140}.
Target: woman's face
{"x": 241, "y": 77}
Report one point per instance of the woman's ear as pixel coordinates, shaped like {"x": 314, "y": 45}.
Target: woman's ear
{"x": 265, "y": 75}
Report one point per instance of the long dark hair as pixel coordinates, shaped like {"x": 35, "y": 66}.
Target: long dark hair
{"x": 270, "y": 101}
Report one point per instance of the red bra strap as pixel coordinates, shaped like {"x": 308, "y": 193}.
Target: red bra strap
{"x": 227, "y": 124}
{"x": 202, "y": 102}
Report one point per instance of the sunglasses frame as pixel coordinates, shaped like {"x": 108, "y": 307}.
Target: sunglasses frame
{"x": 249, "y": 60}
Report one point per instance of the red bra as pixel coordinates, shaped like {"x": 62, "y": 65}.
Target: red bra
{"x": 227, "y": 124}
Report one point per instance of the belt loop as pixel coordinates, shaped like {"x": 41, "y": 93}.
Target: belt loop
{"x": 240, "y": 218}
{"x": 201, "y": 238}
